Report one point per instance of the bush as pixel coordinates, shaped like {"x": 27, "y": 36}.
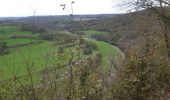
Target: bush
{"x": 98, "y": 58}
{"x": 57, "y": 36}
{"x": 144, "y": 74}
{"x": 87, "y": 51}
{"x": 2, "y": 31}
{"x": 47, "y": 36}
{"x": 88, "y": 46}
{"x": 60, "y": 50}
{"x": 26, "y": 27}
{"x": 82, "y": 41}
{"x": 33, "y": 29}
{"x": 92, "y": 45}
{"x": 100, "y": 37}
{"x": 3, "y": 47}
{"x": 41, "y": 30}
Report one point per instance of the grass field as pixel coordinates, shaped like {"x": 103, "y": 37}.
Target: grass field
{"x": 17, "y": 58}
{"x": 8, "y": 29}
{"x": 20, "y": 58}
{"x": 38, "y": 56}
{"x": 11, "y": 42}
{"x": 35, "y": 56}
{"x": 90, "y": 33}
{"x": 107, "y": 50}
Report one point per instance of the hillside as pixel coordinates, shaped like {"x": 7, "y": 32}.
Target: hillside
{"x": 127, "y": 29}
{"x": 89, "y": 57}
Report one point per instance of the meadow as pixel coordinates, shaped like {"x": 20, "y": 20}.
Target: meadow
{"x": 109, "y": 52}
{"x": 44, "y": 54}
{"x": 20, "y": 58}
{"x": 91, "y": 33}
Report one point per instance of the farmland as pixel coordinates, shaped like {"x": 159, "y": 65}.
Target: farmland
{"x": 17, "y": 61}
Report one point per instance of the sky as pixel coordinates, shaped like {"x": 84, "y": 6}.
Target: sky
{"x": 16, "y": 8}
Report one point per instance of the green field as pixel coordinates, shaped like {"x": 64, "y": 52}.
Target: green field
{"x": 107, "y": 50}
{"x": 18, "y": 57}
{"x": 90, "y": 33}
{"x": 11, "y": 42}
{"x": 37, "y": 56}
{"x": 40, "y": 55}
{"x": 8, "y": 29}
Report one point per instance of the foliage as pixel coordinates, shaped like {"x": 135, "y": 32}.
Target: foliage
{"x": 2, "y": 31}
{"x": 92, "y": 33}
{"x": 87, "y": 51}
{"x": 41, "y": 30}
{"x": 60, "y": 50}
{"x": 57, "y": 36}
{"x": 144, "y": 74}
{"x": 8, "y": 29}
{"x": 3, "y": 47}
{"x": 31, "y": 28}
{"x": 15, "y": 41}
{"x": 87, "y": 84}
{"x": 18, "y": 58}
{"x": 26, "y": 28}
{"x": 89, "y": 48}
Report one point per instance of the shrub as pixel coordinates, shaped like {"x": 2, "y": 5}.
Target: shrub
{"x": 98, "y": 58}
{"x": 33, "y": 29}
{"x": 47, "y": 36}
{"x": 82, "y": 41}
{"x": 91, "y": 45}
{"x": 60, "y": 50}
{"x": 87, "y": 51}
{"x": 144, "y": 72}
{"x": 26, "y": 27}
{"x": 3, "y": 47}
{"x": 57, "y": 36}
{"x": 41, "y": 30}
{"x": 2, "y": 31}
{"x": 88, "y": 47}
{"x": 99, "y": 37}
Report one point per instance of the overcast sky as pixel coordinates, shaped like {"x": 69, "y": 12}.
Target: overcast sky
{"x": 52, "y": 7}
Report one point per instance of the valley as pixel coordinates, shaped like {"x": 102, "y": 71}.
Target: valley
{"x": 87, "y": 57}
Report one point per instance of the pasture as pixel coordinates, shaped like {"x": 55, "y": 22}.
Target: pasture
{"x": 39, "y": 56}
